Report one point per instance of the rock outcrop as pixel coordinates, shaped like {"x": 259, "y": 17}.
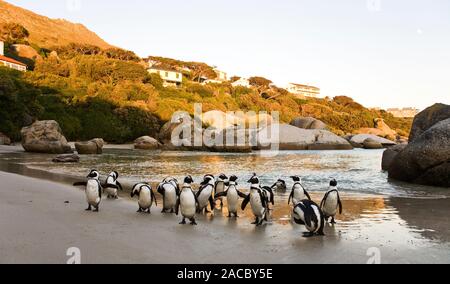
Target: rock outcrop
{"x": 370, "y": 143}
{"x": 147, "y": 143}
{"x": 45, "y": 137}
{"x": 91, "y": 147}
{"x": 187, "y": 135}
{"x": 308, "y": 123}
{"x": 66, "y": 158}
{"x": 390, "y": 154}
{"x": 361, "y": 138}
{"x": 426, "y": 160}
{"x": 380, "y": 129}
{"x": 428, "y": 118}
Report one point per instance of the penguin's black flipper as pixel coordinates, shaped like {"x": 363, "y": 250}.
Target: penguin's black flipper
{"x": 220, "y": 194}
{"x": 177, "y": 206}
{"x": 178, "y": 190}
{"x": 81, "y": 183}
{"x": 340, "y": 204}
{"x": 161, "y": 190}
{"x": 196, "y": 197}
{"x": 119, "y": 185}
{"x": 291, "y": 197}
{"x": 245, "y": 202}
{"x": 110, "y": 186}
{"x": 242, "y": 195}
{"x": 299, "y": 222}
{"x": 307, "y": 194}
{"x": 212, "y": 203}
{"x": 154, "y": 197}
{"x": 100, "y": 188}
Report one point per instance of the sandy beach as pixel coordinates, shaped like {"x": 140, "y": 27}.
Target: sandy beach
{"x": 41, "y": 219}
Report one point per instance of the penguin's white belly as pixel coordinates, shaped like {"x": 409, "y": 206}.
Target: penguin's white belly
{"x": 170, "y": 198}
{"x": 232, "y": 200}
{"x": 92, "y": 194}
{"x": 145, "y": 199}
{"x": 203, "y": 198}
{"x": 110, "y": 180}
{"x": 111, "y": 191}
{"x": 330, "y": 205}
{"x": 299, "y": 196}
{"x": 257, "y": 208}
{"x": 299, "y": 214}
{"x": 220, "y": 187}
{"x": 187, "y": 204}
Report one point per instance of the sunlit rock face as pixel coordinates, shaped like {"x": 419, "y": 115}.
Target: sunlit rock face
{"x": 45, "y": 137}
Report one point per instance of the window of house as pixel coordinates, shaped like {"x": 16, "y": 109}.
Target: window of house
{"x": 167, "y": 74}
{"x": 178, "y": 76}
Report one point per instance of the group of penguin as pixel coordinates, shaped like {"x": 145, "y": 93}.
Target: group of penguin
{"x": 188, "y": 202}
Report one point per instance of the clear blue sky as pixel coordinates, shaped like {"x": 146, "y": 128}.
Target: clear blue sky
{"x": 387, "y": 53}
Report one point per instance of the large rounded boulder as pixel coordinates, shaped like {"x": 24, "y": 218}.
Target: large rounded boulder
{"x": 361, "y": 138}
{"x": 182, "y": 133}
{"x": 428, "y": 118}
{"x": 326, "y": 140}
{"x": 389, "y": 155}
{"x": 308, "y": 123}
{"x": 147, "y": 143}
{"x": 427, "y": 159}
{"x": 91, "y": 147}
{"x": 4, "y": 140}
{"x": 45, "y": 137}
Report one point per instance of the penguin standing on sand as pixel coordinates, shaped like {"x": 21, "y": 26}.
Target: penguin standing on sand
{"x": 205, "y": 194}
{"x": 220, "y": 187}
{"x": 298, "y": 191}
{"x": 279, "y": 186}
{"x": 111, "y": 185}
{"x": 258, "y": 201}
{"x": 232, "y": 194}
{"x": 170, "y": 190}
{"x": 93, "y": 190}
{"x": 308, "y": 213}
{"x": 146, "y": 197}
{"x": 187, "y": 202}
{"x": 331, "y": 202}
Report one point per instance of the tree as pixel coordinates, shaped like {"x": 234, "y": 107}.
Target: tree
{"x": 13, "y": 33}
{"x": 121, "y": 54}
{"x": 234, "y": 79}
{"x": 260, "y": 83}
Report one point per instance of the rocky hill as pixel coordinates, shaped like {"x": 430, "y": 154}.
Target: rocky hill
{"x": 46, "y": 32}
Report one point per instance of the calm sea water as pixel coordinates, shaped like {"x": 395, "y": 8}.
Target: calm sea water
{"x": 357, "y": 171}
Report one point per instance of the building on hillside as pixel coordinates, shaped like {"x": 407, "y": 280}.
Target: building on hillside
{"x": 171, "y": 78}
{"x": 9, "y": 62}
{"x": 303, "y": 90}
{"x": 221, "y": 76}
{"x": 242, "y": 82}
{"x": 403, "y": 112}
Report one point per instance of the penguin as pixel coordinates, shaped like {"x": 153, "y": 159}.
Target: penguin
{"x": 279, "y": 186}
{"x": 298, "y": 193}
{"x": 205, "y": 194}
{"x": 258, "y": 201}
{"x": 232, "y": 194}
{"x": 331, "y": 202}
{"x": 187, "y": 202}
{"x": 170, "y": 190}
{"x": 146, "y": 197}
{"x": 270, "y": 197}
{"x": 220, "y": 187}
{"x": 308, "y": 213}
{"x": 93, "y": 190}
{"x": 111, "y": 185}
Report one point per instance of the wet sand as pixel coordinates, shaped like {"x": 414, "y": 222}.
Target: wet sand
{"x": 38, "y": 226}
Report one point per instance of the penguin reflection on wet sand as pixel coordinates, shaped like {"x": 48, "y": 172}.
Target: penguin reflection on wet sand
{"x": 170, "y": 190}
{"x": 298, "y": 192}
{"x": 145, "y": 195}
{"x": 111, "y": 185}
{"x": 331, "y": 202}
{"x": 205, "y": 194}
{"x": 232, "y": 195}
{"x": 187, "y": 202}
{"x": 93, "y": 190}
{"x": 258, "y": 201}
{"x": 308, "y": 213}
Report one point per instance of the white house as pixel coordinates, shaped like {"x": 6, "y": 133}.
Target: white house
{"x": 221, "y": 76}
{"x": 170, "y": 77}
{"x": 242, "y": 82}
{"x": 9, "y": 62}
{"x": 303, "y": 90}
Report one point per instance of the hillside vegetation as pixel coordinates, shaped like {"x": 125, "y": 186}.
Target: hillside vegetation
{"x": 108, "y": 93}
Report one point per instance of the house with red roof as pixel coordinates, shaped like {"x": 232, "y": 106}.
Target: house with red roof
{"x": 9, "y": 62}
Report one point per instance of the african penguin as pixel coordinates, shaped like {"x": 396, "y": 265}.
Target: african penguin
{"x": 331, "y": 202}
{"x": 205, "y": 194}
{"x": 279, "y": 186}
{"x": 308, "y": 213}
{"x": 111, "y": 185}
{"x": 145, "y": 195}
{"x": 187, "y": 202}
{"x": 170, "y": 190}
{"x": 93, "y": 190}
{"x": 220, "y": 187}
{"x": 298, "y": 193}
{"x": 257, "y": 200}
{"x": 232, "y": 194}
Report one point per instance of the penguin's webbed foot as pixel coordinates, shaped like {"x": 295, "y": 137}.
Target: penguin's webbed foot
{"x": 89, "y": 208}
{"x": 193, "y": 223}
{"x": 183, "y": 222}
{"x": 308, "y": 235}
{"x": 333, "y": 221}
